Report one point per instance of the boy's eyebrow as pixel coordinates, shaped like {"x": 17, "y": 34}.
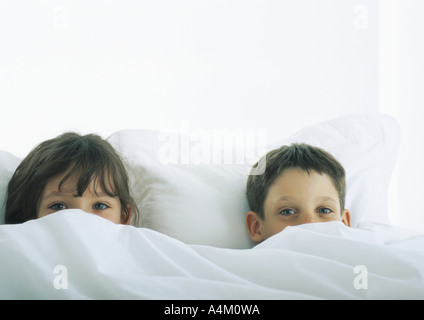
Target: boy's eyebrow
{"x": 325, "y": 198}
{"x": 285, "y": 198}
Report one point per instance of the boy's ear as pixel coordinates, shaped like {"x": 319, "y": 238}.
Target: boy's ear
{"x": 254, "y": 227}
{"x": 346, "y": 217}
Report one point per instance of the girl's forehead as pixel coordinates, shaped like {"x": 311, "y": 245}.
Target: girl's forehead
{"x": 70, "y": 184}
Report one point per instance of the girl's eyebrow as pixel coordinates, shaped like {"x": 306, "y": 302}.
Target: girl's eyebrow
{"x": 58, "y": 193}
{"x": 53, "y": 194}
{"x": 104, "y": 195}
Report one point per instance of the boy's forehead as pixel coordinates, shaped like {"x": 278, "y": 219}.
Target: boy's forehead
{"x": 294, "y": 181}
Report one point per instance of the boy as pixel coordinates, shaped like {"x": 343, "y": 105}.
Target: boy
{"x": 301, "y": 184}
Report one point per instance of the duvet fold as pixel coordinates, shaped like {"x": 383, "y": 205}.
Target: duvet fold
{"x": 76, "y": 255}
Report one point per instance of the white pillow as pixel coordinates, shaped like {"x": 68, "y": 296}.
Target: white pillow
{"x": 195, "y": 203}
{"x": 8, "y": 164}
{"x": 206, "y": 203}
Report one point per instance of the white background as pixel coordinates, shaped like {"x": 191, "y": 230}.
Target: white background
{"x": 101, "y": 66}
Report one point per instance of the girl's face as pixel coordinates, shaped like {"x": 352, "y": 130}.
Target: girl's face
{"x": 100, "y": 203}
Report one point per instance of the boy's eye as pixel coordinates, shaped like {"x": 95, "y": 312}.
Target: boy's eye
{"x": 325, "y": 210}
{"x": 287, "y": 212}
{"x": 100, "y": 206}
{"x": 57, "y": 206}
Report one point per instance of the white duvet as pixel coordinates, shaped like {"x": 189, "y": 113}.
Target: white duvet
{"x": 76, "y": 255}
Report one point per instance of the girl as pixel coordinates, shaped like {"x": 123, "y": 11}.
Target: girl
{"x": 70, "y": 171}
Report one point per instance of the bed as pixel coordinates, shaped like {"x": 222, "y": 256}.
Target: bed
{"x": 190, "y": 241}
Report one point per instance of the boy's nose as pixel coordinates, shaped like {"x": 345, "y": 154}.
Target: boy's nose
{"x": 310, "y": 218}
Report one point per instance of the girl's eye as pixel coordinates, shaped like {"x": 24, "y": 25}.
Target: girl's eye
{"x": 58, "y": 206}
{"x": 325, "y": 210}
{"x": 287, "y": 212}
{"x": 100, "y": 206}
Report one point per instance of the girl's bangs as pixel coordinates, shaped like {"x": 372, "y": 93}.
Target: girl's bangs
{"x": 92, "y": 177}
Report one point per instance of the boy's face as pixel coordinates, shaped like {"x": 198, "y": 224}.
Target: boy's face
{"x": 53, "y": 200}
{"x": 296, "y": 197}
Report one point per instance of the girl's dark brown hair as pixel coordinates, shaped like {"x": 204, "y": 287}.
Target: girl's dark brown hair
{"x": 89, "y": 156}
{"x": 297, "y": 155}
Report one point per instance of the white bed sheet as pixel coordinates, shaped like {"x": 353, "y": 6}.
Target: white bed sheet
{"x": 75, "y": 255}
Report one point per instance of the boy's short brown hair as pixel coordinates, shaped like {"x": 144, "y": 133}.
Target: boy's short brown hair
{"x": 296, "y": 155}
{"x": 88, "y": 156}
